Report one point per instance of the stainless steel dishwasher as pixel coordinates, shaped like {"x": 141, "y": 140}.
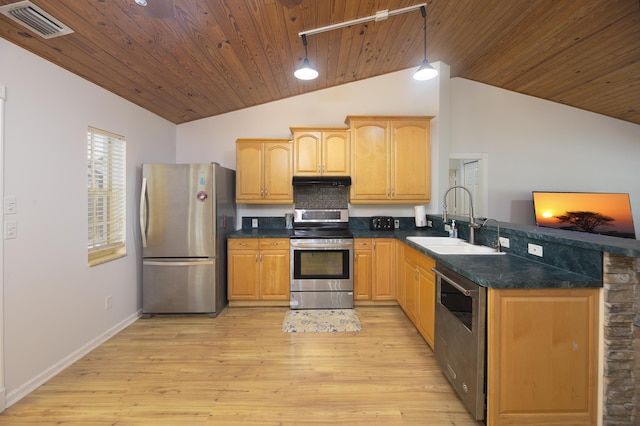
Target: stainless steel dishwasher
{"x": 460, "y": 336}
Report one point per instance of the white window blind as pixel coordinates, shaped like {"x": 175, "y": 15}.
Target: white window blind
{"x": 107, "y": 196}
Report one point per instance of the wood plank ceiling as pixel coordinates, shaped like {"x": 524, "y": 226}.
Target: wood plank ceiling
{"x": 216, "y": 56}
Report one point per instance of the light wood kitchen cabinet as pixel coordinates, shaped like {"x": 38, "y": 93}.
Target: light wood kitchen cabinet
{"x": 383, "y": 285}
{"x": 401, "y": 286}
{"x": 410, "y": 282}
{"x": 426, "y": 309}
{"x": 264, "y": 171}
{"x": 374, "y": 269}
{"x": 542, "y": 356}
{"x": 417, "y": 292}
{"x": 258, "y": 268}
{"x": 362, "y": 268}
{"x": 390, "y": 159}
{"x": 321, "y": 151}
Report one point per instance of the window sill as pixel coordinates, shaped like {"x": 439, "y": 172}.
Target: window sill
{"x": 106, "y": 256}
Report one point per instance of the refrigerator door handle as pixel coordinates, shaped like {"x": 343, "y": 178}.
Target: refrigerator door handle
{"x": 143, "y": 212}
{"x": 170, "y": 263}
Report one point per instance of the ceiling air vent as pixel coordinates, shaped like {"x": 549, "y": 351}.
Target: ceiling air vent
{"x": 35, "y": 19}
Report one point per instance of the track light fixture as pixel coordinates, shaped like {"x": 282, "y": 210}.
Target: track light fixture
{"x": 306, "y": 71}
{"x": 426, "y": 71}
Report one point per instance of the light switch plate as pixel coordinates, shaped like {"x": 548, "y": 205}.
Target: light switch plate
{"x": 10, "y": 206}
{"x": 10, "y": 230}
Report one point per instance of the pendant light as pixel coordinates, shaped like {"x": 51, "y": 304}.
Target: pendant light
{"x": 426, "y": 71}
{"x": 306, "y": 71}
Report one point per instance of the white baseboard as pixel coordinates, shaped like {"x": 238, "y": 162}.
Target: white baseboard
{"x": 3, "y": 399}
{"x": 33, "y": 384}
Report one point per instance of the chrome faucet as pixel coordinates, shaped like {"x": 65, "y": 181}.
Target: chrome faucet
{"x": 472, "y": 223}
{"x": 497, "y": 245}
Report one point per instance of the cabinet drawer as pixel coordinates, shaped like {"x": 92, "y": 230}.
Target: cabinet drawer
{"x": 362, "y": 243}
{"x": 274, "y": 243}
{"x": 412, "y": 254}
{"x": 243, "y": 243}
{"x": 426, "y": 263}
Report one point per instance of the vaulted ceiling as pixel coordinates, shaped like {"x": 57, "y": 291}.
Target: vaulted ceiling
{"x": 209, "y": 57}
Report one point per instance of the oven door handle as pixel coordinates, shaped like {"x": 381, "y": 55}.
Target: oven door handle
{"x": 325, "y": 246}
{"x": 457, "y": 286}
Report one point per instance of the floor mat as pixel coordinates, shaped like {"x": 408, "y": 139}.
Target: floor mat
{"x": 318, "y": 320}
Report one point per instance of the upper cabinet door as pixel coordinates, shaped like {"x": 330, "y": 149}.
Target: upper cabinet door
{"x": 249, "y": 171}
{"x": 335, "y": 153}
{"x": 411, "y": 156}
{"x": 369, "y": 161}
{"x": 307, "y": 151}
{"x": 278, "y": 172}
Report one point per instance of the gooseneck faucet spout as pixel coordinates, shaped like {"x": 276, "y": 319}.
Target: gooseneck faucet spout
{"x": 497, "y": 245}
{"x": 472, "y": 222}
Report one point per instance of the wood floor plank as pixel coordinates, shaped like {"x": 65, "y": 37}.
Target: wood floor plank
{"x": 241, "y": 368}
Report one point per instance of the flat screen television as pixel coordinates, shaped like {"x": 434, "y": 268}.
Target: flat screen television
{"x": 593, "y": 212}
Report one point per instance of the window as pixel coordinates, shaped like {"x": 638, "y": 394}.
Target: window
{"x": 107, "y": 196}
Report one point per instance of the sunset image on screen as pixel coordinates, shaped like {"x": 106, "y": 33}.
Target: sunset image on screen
{"x": 596, "y": 213}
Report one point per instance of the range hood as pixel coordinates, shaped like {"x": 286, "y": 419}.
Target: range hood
{"x": 322, "y": 180}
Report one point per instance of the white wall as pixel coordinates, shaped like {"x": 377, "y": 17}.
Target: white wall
{"x": 213, "y": 139}
{"x": 533, "y": 144}
{"x": 54, "y": 303}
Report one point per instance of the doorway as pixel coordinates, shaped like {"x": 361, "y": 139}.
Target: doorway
{"x": 470, "y": 171}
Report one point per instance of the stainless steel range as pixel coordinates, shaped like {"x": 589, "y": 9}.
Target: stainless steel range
{"x": 321, "y": 260}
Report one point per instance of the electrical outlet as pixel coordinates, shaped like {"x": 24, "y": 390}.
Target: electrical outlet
{"x": 447, "y": 227}
{"x": 254, "y": 222}
{"x": 429, "y": 223}
{"x": 534, "y": 249}
{"x": 396, "y": 224}
{"x": 108, "y": 302}
{"x": 504, "y": 242}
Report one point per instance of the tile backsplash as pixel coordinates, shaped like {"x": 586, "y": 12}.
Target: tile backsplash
{"x": 321, "y": 197}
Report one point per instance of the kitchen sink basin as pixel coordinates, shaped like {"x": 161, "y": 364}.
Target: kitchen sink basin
{"x": 437, "y": 241}
{"x": 445, "y": 245}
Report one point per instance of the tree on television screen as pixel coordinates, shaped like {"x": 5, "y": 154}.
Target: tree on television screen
{"x": 585, "y": 221}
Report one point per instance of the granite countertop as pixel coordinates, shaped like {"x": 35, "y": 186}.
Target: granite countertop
{"x": 498, "y": 271}
{"x": 493, "y": 271}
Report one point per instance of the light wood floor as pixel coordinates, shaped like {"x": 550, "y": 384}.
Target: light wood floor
{"x": 240, "y": 368}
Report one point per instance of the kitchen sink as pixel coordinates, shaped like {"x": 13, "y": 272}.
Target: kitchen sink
{"x": 437, "y": 241}
{"x": 445, "y": 245}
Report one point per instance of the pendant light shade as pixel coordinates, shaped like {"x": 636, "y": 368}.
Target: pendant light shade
{"x": 426, "y": 71}
{"x": 306, "y": 71}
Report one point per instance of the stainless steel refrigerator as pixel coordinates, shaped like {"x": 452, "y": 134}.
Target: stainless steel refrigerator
{"x": 186, "y": 212}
